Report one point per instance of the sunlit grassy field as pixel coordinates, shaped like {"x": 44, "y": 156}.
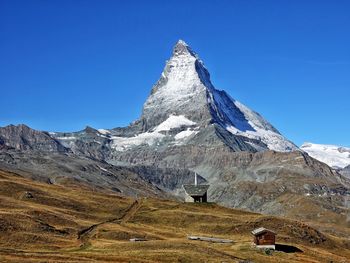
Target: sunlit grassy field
{"x": 74, "y": 223}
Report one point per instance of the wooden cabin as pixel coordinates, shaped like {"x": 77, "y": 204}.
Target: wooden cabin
{"x": 196, "y": 192}
{"x": 264, "y": 238}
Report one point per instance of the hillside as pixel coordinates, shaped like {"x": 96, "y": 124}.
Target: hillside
{"x": 73, "y": 222}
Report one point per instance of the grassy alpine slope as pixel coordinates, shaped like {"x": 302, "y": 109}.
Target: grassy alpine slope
{"x": 73, "y": 222}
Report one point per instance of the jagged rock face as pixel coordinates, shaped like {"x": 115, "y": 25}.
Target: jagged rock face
{"x": 58, "y": 168}
{"x": 185, "y": 89}
{"x": 21, "y": 137}
{"x": 179, "y": 91}
{"x": 88, "y": 142}
{"x": 346, "y": 171}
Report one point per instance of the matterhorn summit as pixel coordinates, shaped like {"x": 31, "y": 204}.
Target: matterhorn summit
{"x": 182, "y": 88}
{"x": 184, "y": 109}
{"x": 185, "y": 89}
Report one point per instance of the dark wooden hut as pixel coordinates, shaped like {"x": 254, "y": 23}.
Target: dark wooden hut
{"x": 264, "y": 238}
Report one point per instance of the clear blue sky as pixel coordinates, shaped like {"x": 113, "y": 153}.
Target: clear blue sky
{"x": 67, "y": 64}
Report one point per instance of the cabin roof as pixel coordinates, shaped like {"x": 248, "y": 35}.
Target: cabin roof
{"x": 261, "y": 230}
{"x": 195, "y": 190}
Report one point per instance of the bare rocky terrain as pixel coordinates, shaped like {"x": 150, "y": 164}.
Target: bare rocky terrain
{"x": 346, "y": 171}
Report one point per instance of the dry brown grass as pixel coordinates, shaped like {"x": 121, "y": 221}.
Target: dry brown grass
{"x": 45, "y": 223}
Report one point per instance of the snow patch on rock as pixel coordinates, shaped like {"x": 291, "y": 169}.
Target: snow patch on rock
{"x": 104, "y": 132}
{"x": 185, "y": 134}
{"x": 65, "y": 138}
{"x": 174, "y": 122}
{"x": 240, "y": 120}
{"x": 154, "y": 136}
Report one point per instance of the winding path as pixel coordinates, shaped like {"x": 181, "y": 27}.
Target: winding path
{"x": 85, "y": 234}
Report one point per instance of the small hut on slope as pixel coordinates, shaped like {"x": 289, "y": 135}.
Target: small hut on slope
{"x": 195, "y": 192}
{"x": 264, "y": 238}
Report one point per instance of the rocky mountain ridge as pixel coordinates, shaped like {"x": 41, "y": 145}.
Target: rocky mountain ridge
{"x": 23, "y": 138}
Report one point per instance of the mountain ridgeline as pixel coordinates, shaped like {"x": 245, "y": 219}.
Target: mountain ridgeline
{"x": 186, "y": 126}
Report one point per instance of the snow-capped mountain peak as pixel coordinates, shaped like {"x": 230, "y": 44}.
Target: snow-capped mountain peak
{"x": 185, "y": 88}
{"x": 184, "y": 94}
{"x": 181, "y": 48}
{"x": 333, "y": 155}
{"x": 181, "y": 89}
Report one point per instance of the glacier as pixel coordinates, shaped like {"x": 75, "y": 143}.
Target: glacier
{"x": 333, "y": 155}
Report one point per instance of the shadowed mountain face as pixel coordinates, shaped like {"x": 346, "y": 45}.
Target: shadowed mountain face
{"x": 346, "y": 171}
{"x": 188, "y": 126}
{"x": 23, "y": 138}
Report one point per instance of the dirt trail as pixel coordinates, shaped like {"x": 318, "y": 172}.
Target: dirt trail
{"x": 84, "y": 235}
{"x": 131, "y": 211}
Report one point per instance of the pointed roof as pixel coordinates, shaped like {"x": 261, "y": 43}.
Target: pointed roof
{"x": 195, "y": 190}
{"x": 261, "y": 230}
